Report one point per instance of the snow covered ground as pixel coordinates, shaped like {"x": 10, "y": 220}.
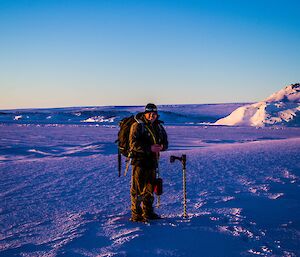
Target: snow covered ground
{"x": 60, "y": 194}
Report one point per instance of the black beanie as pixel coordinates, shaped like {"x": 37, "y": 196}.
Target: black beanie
{"x": 150, "y": 108}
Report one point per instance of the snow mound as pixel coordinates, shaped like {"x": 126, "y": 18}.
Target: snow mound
{"x": 18, "y": 117}
{"x": 281, "y": 108}
{"x": 99, "y": 119}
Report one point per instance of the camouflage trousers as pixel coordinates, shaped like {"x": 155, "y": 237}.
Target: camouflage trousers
{"x": 141, "y": 192}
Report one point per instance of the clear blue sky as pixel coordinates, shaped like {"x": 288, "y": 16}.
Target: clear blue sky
{"x": 57, "y": 53}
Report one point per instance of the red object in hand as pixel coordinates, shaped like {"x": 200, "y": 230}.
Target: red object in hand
{"x": 158, "y": 186}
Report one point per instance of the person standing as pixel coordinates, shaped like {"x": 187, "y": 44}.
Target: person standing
{"x": 147, "y": 139}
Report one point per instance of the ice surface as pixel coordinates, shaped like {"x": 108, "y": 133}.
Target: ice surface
{"x": 60, "y": 194}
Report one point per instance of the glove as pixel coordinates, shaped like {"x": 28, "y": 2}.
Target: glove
{"x": 156, "y": 148}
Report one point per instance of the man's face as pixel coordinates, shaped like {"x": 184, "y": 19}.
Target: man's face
{"x": 151, "y": 116}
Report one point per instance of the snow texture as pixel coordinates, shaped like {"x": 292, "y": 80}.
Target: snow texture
{"x": 281, "y": 108}
{"x": 60, "y": 194}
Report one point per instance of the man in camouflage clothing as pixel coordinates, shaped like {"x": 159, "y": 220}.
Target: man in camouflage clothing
{"x": 147, "y": 139}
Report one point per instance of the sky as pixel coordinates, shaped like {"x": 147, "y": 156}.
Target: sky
{"x": 59, "y": 53}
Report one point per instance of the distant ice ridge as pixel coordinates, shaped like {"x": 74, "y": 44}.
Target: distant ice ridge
{"x": 18, "y": 117}
{"x": 170, "y": 114}
{"x": 281, "y": 108}
{"x": 99, "y": 119}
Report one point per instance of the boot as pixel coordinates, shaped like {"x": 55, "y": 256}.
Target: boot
{"x": 152, "y": 216}
{"x": 139, "y": 219}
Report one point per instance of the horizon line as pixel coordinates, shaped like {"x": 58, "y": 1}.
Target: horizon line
{"x": 123, "y": 105}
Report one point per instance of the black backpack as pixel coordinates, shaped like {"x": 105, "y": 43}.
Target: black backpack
{"x": 123, "y": 135}
{"x": 123, "y": 139}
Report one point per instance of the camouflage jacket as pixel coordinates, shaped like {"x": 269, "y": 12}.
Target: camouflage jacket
{"x": 143, "y": 134}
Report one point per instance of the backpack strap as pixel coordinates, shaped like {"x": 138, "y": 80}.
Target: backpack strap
{"x": 137, "y": 119}
{"x": 152, "y": 134}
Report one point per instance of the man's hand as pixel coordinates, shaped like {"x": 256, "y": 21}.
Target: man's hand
{"x": 156, "y": 148}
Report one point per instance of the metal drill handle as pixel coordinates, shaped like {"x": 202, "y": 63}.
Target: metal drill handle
{"x": 184, "y": 192}
{"x": 182, "y": 159}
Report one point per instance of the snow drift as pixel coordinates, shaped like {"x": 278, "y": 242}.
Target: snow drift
{"x": 281, "y": 108}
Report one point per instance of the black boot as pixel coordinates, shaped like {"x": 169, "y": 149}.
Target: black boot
{"x": 152, "y": 216}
